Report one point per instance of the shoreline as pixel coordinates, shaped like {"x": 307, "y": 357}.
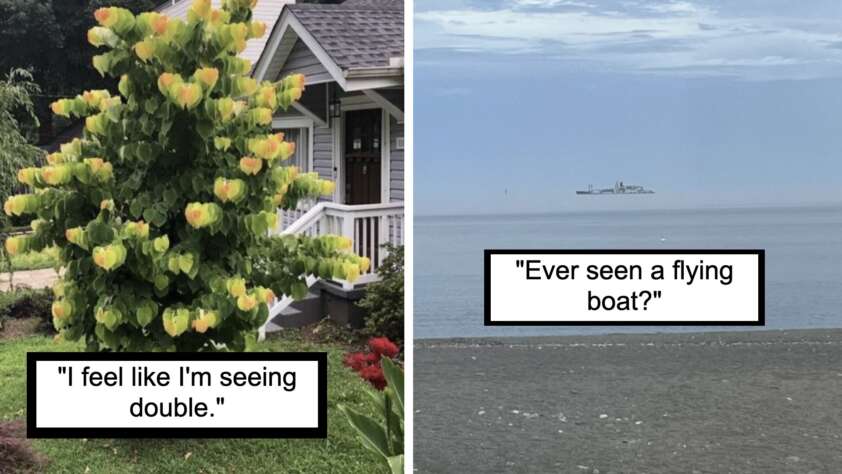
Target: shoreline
{"x": 739, "y": 401}
{"x": 617, "y": 337}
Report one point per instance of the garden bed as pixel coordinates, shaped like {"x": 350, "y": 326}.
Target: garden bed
{"x": 25, "y": 312}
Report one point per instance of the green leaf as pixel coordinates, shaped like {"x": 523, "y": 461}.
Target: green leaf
{"x": 161, "y": 282}
{"x": 299, "y": 290}
{"x": 394, "y": 379}
{"x": 99, "y": 233}
{"x": 146, "y": 312}
{"x": 145, "y": 151}
{"x": 170, "y": 196}
{"x": 150, "y": 105}
{"x": 198, "y": 184}
{"x": 166, "y": 125}
{"x": 205, "y": 129}
{"x": 157, "y": 218}
{"x": 396, "y": 464}
{"x": 135, "y": 208}
{"x": 394, "y": 430}
{"x": 371, "y": 433}
{"x": 185, "y": 262}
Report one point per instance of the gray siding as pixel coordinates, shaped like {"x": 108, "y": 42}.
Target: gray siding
{"x": 323, "y": 152}
{"x": 276, "y": 61}
{"x": 175, "y": 8}
{"x": 395, "y": 161}
{"x": 315, "y": 100}
{"x": 266, "y": 11}
{"x": 302, "y": 60}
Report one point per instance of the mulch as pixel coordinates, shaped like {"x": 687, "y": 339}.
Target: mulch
{"x": 16, "y": 453}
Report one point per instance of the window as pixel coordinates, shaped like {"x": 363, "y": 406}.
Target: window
{"x": 301, "y": 138}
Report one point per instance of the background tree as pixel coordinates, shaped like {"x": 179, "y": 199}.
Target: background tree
{"x": 48, "y": 37}
{"x": 17, "y": 119}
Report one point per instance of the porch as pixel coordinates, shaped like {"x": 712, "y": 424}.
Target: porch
{"x": 348, "y": 128}
{"x": 369, "y": 226}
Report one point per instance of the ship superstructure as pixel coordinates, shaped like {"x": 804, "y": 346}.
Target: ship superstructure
{"x": 619, "y": 188}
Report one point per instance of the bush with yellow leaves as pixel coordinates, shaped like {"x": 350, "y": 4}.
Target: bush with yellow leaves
{"x": 161, "y": 208}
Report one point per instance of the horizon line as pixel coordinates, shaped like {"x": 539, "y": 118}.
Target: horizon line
{"x": 596, "y": 211}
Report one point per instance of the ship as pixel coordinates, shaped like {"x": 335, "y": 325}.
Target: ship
{"x": 619, "y": 188}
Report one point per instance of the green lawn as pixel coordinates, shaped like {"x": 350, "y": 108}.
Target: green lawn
{"x": 341, "y": 452}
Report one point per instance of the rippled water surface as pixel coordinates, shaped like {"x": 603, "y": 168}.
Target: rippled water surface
{"x": 803, "y": 260}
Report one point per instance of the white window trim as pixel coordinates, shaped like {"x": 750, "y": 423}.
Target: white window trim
{"x": 279, "y": 123}
{"x": 338, "y": 166}
{"x": 311, "y": 160}
{"x": 385, "y": 157}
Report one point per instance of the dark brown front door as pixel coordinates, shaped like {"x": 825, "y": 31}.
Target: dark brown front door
{"x": 362, "y": 156}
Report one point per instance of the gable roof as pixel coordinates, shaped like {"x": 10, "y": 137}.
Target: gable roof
{"x": 356, "y": 33}
{"x": 359, "y": 42}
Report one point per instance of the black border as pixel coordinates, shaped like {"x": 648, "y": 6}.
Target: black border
{"x": 761, "y": 287}
{"x": 33, "y": 431}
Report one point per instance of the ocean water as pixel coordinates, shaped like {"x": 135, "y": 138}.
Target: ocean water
{"x": 803, "y": 260}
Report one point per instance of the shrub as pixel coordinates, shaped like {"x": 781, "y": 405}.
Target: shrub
{"x": 383, "y": 301}
{"x": 160, "y": 207}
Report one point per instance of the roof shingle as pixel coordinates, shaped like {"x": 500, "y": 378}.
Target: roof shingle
{"x": 356, "y": 33}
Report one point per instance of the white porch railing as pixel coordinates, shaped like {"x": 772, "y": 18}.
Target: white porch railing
{"x": 288, "y": 217}
{"x": 369, "y": 226}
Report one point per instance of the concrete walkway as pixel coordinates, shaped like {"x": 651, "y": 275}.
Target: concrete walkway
{"x": 30, "y": 279}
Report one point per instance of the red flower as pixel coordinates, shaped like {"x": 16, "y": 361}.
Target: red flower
{"x": 356, "y": 361}
{"x": 367, "y": 365}
{"x": 383, "y": 346}
{"x": 374, "y": 375}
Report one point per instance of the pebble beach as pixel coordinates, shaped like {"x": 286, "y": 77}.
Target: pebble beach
{"x": 739, "y": 402}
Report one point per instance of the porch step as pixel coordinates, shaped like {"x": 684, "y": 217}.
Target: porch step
{"x": 307, "y": 310}
{"x": 272, "y": 327}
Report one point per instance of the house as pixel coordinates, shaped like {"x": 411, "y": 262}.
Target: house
{"x": 348, "y": 127}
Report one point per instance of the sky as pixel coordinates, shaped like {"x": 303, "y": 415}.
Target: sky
{"x": 715, "y": 103}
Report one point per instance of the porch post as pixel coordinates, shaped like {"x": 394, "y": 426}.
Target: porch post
{"x": 348, "y": 231}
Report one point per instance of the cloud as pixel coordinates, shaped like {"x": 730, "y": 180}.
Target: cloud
{"x": 676, "y": 7}
{"x": 661, "y": 37}
{"x": 553, "y": 3}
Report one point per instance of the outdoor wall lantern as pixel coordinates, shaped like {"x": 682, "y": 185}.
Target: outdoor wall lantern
{"x": 335, "y": 108}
